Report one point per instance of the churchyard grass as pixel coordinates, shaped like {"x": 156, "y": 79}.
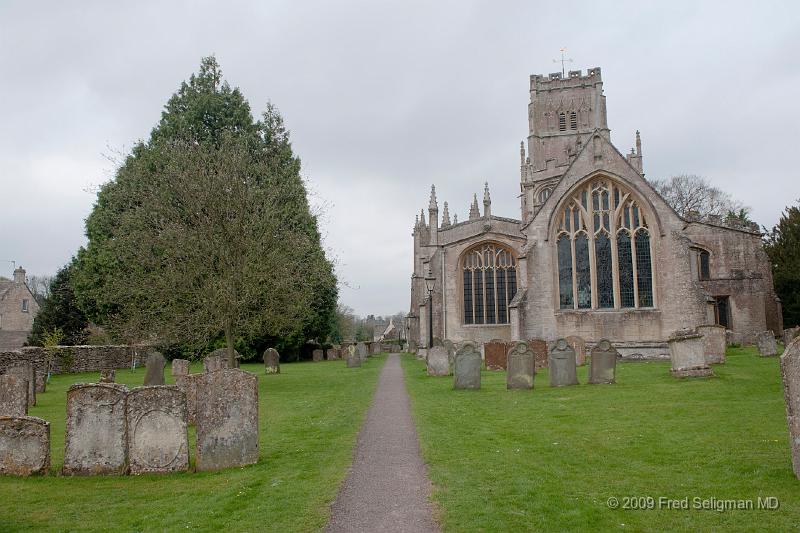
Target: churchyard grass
{"x": 550, "y": 459}
{"x": 309, "y": 417}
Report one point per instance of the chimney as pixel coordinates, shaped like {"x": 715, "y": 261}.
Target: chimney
{"x": 19, "y": 276}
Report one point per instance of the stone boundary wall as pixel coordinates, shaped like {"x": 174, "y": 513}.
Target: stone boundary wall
{"x": 72, "y": 359}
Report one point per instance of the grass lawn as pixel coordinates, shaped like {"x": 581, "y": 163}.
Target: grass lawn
{"x": 309, "y": 417}
{"x": 550, "y": 459}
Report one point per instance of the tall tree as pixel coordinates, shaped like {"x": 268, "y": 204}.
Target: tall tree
{"x": 206, "y": 229}
{"x": 782, "y": 245}
{"x": 59, "y": 312}
{"x": 694, "y": 198}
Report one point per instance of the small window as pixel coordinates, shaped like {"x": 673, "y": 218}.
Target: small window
{"x": 573, "y": 121}
{"x": 24, "y": 306}
{"x": 544, "y": 194}
{"x": 562, "y": 122}
{"x": 705, "y": 269}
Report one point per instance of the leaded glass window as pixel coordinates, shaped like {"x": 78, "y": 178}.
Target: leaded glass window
{"x": 490, "y": 283}
{"x": 603, "y": 250}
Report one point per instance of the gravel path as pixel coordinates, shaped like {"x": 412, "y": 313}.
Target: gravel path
{"x": 387, "y": 489}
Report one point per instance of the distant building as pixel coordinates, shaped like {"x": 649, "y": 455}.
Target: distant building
{"x": 17, "y": 311}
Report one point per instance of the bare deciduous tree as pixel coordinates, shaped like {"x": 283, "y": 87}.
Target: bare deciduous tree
{"x": 694, "y": 198}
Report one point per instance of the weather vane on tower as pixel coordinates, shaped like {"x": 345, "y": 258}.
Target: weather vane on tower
{"x": 564, "y": 59}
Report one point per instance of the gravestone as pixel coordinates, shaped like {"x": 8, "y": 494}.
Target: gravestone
{"x": 214, "y": 363}
{"x": 521, "y": 366}
{"x": 332, "y": 353}
{"x": 362, "y": 351}
{"x": 733, "y": 338}
{"x": 158, "y": 441}
{"x": 687, "y": 355}
{"x": 375, "y": 348}
{"x": 467, "y": 368}
{"x": 790, "y": 376}
{"x": 437, "y": 342}
{"x": 41, "y": 382}
{"x": 412, "y": 347}
{"x": 24, "y": 446}
{"x": 272, "y": 361}
{"x": 451, "y": 350}
{"x": 180, "y": 367}
{"x": 222, "y": 353}
{"x": 540, "y": 352}
{"x": 767, "y": 346}
{"x": 790, "y": 334}
{"x": 94, "y": 437}
{"x": 317, "y": 355}
{"x": 561, "y": 363}
{"x": 13, "y": 395}
{"x": 26, "y": 371}
{"x": 579, "y": 345}
{"x": 108, "y": 375}
{"x": 495, "y": 353}
{"x": 353, "y": 359}
{"x": 154, "y": 374}
{"x": 603, "y": 366}
{"x": 188, "y": 385}
{"x": 438, "y": 361}
{"x": 227, "y": 420}
{"x": 714, "y": 343}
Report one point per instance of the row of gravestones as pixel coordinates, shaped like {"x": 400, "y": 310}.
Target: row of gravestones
{"x": 113, "y": 430}
{"x": 520, "y": 364}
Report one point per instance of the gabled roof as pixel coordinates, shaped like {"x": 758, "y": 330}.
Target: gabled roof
{"x": 5, "y": 285}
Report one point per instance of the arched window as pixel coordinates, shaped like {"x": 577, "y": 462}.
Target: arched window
{"x": 562, "y": 122}
{"x": 544, "y": 194}
{"x": 573, "y": 120}
{"x": 704, "y": 267}
{"x": 490, "y": 283}
{"x": 603, "y": 249}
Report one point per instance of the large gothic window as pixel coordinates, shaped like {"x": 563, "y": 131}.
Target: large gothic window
{"x": 490, "y": 282}
{"x": 604, "y": 251}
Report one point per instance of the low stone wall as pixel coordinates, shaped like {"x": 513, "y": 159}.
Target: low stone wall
{"x": 70, "y": 359}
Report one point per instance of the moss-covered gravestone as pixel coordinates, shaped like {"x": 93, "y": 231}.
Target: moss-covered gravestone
{"x": 272, "y": 361}
{"x": 438, "y": 361}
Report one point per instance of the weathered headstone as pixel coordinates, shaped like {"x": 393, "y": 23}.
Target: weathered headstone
{"x": 412, "y": 347}
{"x": 521, "y": 366}
{"x": 214, "y": 363}
{"x": 272, "y": 361}
{"x": 767, "y": 346}
{"x": 561, "y": 363}
{"x": 94, "y": 437}
{"x": 180, "y": 367}
{"x": 495, "y": 353}
{"x": 451, "y": 350}
{"x": 154, "y": 375}
{"x": 13, "y": 395}
{"x": 317, "y": 355}
{"x": 375, "y": 348}
{"x": 540, "y": 352}
{"x": 26, "y": 371}
{"x": 438, "y": 362}
{"x": 714, "y": 343}
{"x": 222, "y": 353}
{"x": 467, "y": 368}
{"x": 332, "y": 353}
{"x": 362, "y": 351}
{"x": 790, "y": 334}
{"x": 734, "y": 338}
{"x": 227, "y": 419}
{"x": 603, "y": 366}
{"x": 687, "y": 355}
{"x": 158, "y": 441}
{"x": 41, "y": 382}
{"x": 353, "y": 359}
{"x": 790, "y": 375}
{"x": 188, "y": 385}
{"x": 438, "y": 342}
{"x": 108, "y": 375}
{"x": 579, "y": 345}
{"x": 24, "y": 446}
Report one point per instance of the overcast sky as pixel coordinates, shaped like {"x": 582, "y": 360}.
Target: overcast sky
{"x": 383, "y": 99}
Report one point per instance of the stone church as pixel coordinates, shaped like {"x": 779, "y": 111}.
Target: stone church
{"x": 596, "y": 251}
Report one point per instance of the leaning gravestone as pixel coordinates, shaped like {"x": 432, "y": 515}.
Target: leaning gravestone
{"x": 317, "y": 355}
{"x": 227, "y": 420}
{"x": 521, "y": 367}
{"x": 579, "y": 345}
{"x": 603, "y": 366}
{"x": 24, "y": 446}
{"x": 467, "y": 368}
{"x": 26, "y": 371}
{"x": 767, "y": 346}
{"x": 157, "y": 438}
{"x": 790, "y": 375}
{"x": 540, "y": 352}
{"x": 495, "y": 353}
{"x": 714, "y": 343}
{"x": 13, "y": 395}
{"x": 272, "y": 361}
{"x": 155, "y": 369}
{"x": 562, "y": 365}
{"x": 180, "y": 367}
{"x": 362, "y": 351}
{"x": 94, "y": 437}
{"x": 353, "y": 359}
{"x": 438, "y": 362}
{"x": 790, "y": 334}
{"x": 687, "y": 355}
{"x": 108, "y": 375}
